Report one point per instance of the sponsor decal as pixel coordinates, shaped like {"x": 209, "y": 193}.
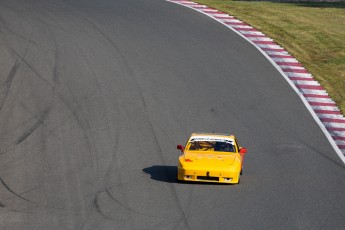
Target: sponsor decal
{"x": 206, "y": 138}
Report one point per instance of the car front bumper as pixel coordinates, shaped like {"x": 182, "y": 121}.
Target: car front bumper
{"x": 209, "y": 175}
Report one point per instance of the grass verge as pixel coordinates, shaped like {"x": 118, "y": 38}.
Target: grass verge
{"x": 314, "y": 33}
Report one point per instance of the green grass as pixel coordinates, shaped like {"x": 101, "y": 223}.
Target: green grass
{"x": 314, "y": 33}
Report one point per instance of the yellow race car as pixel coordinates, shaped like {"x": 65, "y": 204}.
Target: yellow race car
{"x": 211, "y": 157}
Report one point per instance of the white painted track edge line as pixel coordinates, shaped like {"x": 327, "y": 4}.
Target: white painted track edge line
{"x": 299, "y": 93}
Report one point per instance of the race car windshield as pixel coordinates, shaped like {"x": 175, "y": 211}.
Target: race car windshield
{"x": 218, "y": 146}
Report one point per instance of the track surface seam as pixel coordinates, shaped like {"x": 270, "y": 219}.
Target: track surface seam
{"x": 323, "y": 109}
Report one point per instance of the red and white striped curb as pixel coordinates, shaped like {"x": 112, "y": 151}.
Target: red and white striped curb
{"x": 314, "y": 96}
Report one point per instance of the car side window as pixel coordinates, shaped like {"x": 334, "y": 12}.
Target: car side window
{"x": 237, "y": 146}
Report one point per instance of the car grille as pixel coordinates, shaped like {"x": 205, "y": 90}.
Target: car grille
{"x": 208, "y": 178}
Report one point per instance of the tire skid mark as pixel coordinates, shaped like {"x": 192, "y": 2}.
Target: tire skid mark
{"x": 184, "y": 216}
{"x": 34, "y": 17}
{"x": 22, "y": 58}
{"x": 159, "y": 148}
{"x": 13, "y": 146}
{"x": 38, "y": 205}
{"x": 34, "y": 127}
{"x": 114, "y": 155}
{"x": 131, "y": 74}
{"x": 114, "y": 158}
{"x": 71, "y": 8}
{"x": 74, "y": 109}
{"x": 147, "y": 117}
{"x": 61, "y": 28}
{"x": 96, "y": 205}
{"x": 123, "y": 59}
{"x": 116, "y": 108}
{"x": 107, "y": 190}
{"x": 71, "y": 104}
{"x": 112, "y": 44}
{"x": 25, "y": 192}
{"x": 14, "y": 193}
{"x": 98, "y": 208}
{"x": 14, "y": 69}
{"x": 114, "y": 161}
{"x": 82, "y": 123}
{"x": 3, "y": 21}
{"x": 60, "y": 96}
{"x": 2, "y": 205}
{"x": 10, "y": 8}
{"x": 9, "y": 81}
{"x": 56, "y": 58}
{"x": 40, "y": 121}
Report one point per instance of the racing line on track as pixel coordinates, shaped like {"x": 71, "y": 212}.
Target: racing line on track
{"x": 316, "y": 99}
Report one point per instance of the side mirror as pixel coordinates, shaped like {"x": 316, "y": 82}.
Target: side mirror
{"x": 243, "y": 151}
{"x": 180, "y": 147}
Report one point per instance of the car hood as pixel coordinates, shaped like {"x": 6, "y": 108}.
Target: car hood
{"x": 202, "y": 159}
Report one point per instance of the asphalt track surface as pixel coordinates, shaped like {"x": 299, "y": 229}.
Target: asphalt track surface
{"x": 95, "y": 95}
